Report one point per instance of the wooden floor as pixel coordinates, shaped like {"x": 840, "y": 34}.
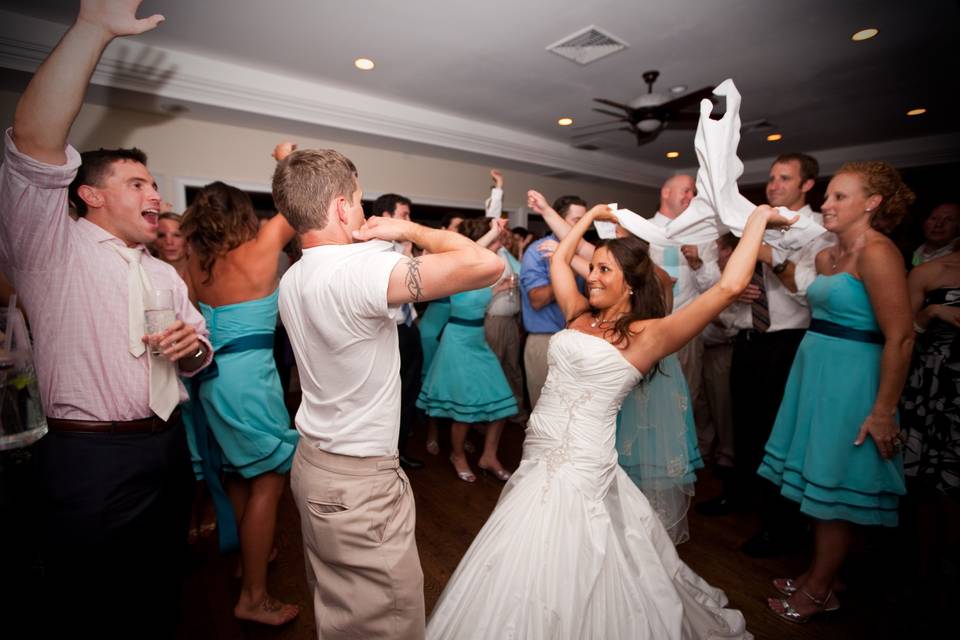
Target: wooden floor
{"x": 450, "y": 513}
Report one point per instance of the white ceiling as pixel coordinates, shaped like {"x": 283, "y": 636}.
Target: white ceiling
{"x": 474, "y": 78}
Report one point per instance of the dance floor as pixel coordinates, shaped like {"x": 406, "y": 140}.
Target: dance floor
{"x": 450, "y": 512}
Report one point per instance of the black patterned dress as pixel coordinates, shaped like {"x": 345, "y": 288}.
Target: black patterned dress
{"x": 930, "y": 405}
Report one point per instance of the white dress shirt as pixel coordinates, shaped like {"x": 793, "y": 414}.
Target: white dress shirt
{"x": 690, "y": 282}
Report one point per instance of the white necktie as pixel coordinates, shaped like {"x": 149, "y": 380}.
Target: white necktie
{"x": 164, "y": 391}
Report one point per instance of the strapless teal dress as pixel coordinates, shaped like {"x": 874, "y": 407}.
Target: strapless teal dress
{"x": 244, "y": 403}
{"x": 831, "y": 390}
{"x": 431, "y": 324}
{"x": 465, "y": 381}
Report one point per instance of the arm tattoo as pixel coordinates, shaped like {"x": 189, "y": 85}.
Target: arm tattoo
{"x": 414, "y": 285}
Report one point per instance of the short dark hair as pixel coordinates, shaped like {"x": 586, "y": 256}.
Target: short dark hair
{"x": 562, "y": 204}
{"x": 809, "y": 167}
{"x": 522, "y": 231}
{"x": 387, "y": 203}
{"x": 95, "y": 167}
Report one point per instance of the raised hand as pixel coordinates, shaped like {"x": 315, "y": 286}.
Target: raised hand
{"x": 282, "y": 150}
{"x": 497, "y": 178}
{"x": 602, "y": 212}
{"x": 116, "y": 17}
{"x": 536, "y": 201}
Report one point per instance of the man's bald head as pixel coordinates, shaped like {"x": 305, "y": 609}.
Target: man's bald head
{"x": 676, "y": 194}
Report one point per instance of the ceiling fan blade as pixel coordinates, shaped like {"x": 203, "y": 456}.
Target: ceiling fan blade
{"x": 688, "y": 100}
{"x": 611, "y": 113}
{"x": 611, "y": 103}
{"x": 597, "y": 132}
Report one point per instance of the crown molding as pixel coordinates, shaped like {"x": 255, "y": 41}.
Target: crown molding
{"x": 180, "y": 76}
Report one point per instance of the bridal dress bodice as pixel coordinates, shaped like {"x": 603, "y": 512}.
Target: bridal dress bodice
{"x": 573, "y": 427}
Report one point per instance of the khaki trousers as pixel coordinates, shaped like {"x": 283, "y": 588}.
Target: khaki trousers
{"x": 358, "y": 517}
{"x": 503, "y": 336}
{"x": 716, "y": 387}
{"x": 535, "y": 364}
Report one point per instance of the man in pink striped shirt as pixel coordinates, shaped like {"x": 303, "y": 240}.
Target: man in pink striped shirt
{"x": 115, "y": 472}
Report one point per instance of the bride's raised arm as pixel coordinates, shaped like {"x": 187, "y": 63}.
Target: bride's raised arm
{"x": 664, "y": 336}
{"x": 565, "y": 291}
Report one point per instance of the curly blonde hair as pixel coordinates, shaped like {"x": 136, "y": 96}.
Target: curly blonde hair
{"x": 882, "y": 179}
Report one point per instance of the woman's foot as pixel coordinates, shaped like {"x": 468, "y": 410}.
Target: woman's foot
{"x": 789, "y": 586}
{"x": 433, "y": 447}
{"x": 462, "y": 467}
{"x": 494, "y": 468}
{"x": 802, "y": 605}
{"x": 268, "y": 611}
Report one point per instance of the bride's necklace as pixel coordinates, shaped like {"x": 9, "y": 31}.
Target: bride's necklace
{"x": 597, "y": 322}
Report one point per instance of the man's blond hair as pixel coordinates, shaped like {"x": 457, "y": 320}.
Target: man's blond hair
{"x": 307, "y": 181}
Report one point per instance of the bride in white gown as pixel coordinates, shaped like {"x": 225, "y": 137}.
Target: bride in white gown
{"x": 573, "y": 549}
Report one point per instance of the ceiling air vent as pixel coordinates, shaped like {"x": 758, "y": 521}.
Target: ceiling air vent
{"x": 587, "y": 45}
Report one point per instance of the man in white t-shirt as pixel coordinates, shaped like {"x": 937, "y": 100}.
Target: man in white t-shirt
{"x": 356, "y": 508}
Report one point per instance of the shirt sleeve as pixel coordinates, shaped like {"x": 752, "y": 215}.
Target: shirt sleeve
{"x": 534, "y": 269}
{"x": 709, "y": 272}
{"x": 805, "y": 266}
{"x": 365, "y": 289}
{"x": 494, "y": 204}
{"x": 34, "y": 223}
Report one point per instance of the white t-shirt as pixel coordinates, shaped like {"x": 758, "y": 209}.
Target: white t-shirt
{"x": 333, "y": 302}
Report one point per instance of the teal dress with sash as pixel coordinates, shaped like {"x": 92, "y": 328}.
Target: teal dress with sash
{"x": 831, "y": 390}
{"x": 236, "y": 419}
{"x": 465, "y": 381}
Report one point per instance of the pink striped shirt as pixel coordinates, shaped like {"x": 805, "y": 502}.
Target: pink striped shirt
{"x": 73, "y": 286}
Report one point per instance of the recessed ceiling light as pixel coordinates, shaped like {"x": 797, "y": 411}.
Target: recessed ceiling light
{"x": 919, "y": 111}
{"x": 680, "y": 88}
{"x": 565, "y": 121}
{"x": 773, "y": 137}
{"x": 673, "y": 154}
{"x": 864, "y": 34}
{"x": 364, "y": 64}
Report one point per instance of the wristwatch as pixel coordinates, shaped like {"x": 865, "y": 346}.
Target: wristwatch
{"x": 780, "y": 268}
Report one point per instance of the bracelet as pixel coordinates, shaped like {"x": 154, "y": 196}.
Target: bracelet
{"x": 917, "y": 328}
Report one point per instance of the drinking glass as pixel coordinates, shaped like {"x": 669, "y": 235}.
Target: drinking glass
{"x": 158, "y": 315}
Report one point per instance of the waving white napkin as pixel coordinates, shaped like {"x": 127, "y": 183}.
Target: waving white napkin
{"x": 718, "y": 206}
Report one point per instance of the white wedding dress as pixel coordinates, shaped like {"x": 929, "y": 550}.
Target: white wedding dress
{"x": 573, "y": 549}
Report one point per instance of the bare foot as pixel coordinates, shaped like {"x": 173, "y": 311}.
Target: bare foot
{"x": 268, "y": 611}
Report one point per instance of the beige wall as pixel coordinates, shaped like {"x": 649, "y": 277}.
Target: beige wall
{"x": 184, "y": 148}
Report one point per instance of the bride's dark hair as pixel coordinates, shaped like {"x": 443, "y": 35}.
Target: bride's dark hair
{"x": 640, "y": 275}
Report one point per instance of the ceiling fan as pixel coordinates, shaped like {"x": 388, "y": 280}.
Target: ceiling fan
{"x": 649, "y": 114}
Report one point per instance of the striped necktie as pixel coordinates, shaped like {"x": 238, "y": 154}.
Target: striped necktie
{"x": 760, "y": 308}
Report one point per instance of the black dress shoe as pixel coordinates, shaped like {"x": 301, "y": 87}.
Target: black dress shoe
{"x": 720, "y": 506}
{"x": 764, "y": 545}
{"x": 410, "y": 463}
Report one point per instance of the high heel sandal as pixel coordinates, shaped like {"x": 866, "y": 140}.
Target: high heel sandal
{"x": 792, "y": 615}
{"x": 433, "y": 447}
{"x": 466, "y": 476}
{"x": 500, "y": 474}
{"x": 788, "y": 586}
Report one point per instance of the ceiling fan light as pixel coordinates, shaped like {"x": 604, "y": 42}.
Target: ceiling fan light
{"x": 649, "y": 125}
{"x": 648, "y": 100}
